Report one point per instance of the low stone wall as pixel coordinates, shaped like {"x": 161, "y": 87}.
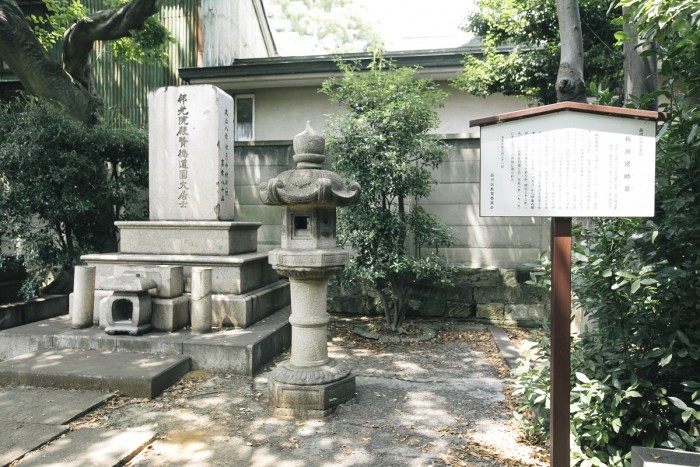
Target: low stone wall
{"x": 493, "y": 296}
{"x": 41, "y": 308}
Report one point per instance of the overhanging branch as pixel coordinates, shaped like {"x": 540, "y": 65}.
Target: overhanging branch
{"x": 104, "y": 25}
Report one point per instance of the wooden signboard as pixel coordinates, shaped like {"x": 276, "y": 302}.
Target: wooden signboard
{"x": 568, "y": 160}
{"x": 561, "y": 161}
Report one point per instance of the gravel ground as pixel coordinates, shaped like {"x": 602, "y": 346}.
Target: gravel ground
{"x": 440, "y": 402}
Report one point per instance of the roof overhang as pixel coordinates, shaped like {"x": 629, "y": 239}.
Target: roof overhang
{"x": 277, "y": 72}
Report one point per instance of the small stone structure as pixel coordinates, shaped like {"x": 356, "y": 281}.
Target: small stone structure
{"x": 128, "y": 309}
{"x": 310, "y": 383}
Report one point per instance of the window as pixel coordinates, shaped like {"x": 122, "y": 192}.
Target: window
{"x": 245, "y": 113}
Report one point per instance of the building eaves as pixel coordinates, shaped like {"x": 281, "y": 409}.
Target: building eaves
{"x": 304, "y": 70}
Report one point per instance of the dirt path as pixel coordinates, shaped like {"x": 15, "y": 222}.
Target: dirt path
{"x": 435, "y": 403}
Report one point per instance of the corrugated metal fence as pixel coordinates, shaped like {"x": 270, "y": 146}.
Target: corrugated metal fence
{"x": 125, "y": 86}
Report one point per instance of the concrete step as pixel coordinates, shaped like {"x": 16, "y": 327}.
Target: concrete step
{"x": 188, "y": 237}
{"x": 132, "y": 374}
{"x": 237, "y": 351}
{"x": 91, "y": 447}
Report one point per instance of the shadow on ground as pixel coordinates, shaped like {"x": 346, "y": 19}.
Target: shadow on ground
{"x": 433, "y": 403}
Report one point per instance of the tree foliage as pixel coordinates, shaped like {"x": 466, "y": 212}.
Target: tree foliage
{"x": 334, "y": 24}
{"x": 144, "y": 44}
{"x": 521, "y": 41}
{"x": 636, "y": 373}
{"x": 63, "y": 184}
{"x": 383, "y": 141}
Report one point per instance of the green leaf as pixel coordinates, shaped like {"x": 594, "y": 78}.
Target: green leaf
{"x": 678, "y": 403}
{"x": 682, "y": 337}
{"x": 634, "y": 287}
{"x": 583, "y": 378}
{"x": 666, "y": 360}
{"x": 622, "y": 36}
{"x": 616, "y": 424}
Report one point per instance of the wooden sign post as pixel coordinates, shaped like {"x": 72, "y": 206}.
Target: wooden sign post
{"x": 561, "y": 161}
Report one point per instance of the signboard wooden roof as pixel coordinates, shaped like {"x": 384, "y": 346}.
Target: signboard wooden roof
{"x": 568, "y": 160}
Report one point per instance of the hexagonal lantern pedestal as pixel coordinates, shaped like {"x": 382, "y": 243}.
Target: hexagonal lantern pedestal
{"x": 309, "y": 384}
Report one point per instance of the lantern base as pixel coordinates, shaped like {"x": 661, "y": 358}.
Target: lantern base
{"x": 291, "y": 400}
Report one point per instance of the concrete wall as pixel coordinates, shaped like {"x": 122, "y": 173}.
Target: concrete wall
{"x": 481, "y": 242}
{"x": 280, "y": 113}
{"x": 258, "y": 162}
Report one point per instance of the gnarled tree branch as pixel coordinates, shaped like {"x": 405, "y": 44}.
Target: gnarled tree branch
{"x": 69, "y": 84}
{"x": 39, "y": 75}
{"x": 104, "y": 25}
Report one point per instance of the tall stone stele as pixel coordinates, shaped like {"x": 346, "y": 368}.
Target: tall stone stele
{"x": 310, "y": 383}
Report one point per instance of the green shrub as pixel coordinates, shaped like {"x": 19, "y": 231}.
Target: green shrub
{"x": 384, "y": 142}
{"x": 636, "y": 373}
{"x": 63, "y": 186}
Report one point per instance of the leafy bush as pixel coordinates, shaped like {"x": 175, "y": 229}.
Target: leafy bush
{"x": 636, "y": 373}
{"x": 63, "y": 186}
{"x": 384, "y": 142}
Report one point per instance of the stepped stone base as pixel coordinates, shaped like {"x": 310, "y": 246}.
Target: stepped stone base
{"x": 242, "y": 311}
{"x": 230, "y": 274}
{"x": 238, "y": 351}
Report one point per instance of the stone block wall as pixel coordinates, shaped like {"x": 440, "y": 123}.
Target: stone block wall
{"x": 492, "y": 296}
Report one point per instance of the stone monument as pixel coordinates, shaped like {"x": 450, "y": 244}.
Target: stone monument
{"x": 191, "y": 226}
{"x": 310, "y": 383}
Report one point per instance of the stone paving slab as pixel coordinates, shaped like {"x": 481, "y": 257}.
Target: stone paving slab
{"x": 136, "y": 375}
{"x": 91, "y": 447}
{"x": 46, "y": 406}
{"x": 16, "y": 439}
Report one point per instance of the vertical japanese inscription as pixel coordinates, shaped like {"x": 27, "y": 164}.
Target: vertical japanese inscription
{"x": 183, "y": 135}
{"x": 223, "y": 168}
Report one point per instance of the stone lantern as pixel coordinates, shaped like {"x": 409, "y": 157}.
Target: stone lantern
{"x": 310, "y": 383}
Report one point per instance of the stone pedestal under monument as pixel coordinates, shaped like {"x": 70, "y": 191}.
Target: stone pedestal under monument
{"x": 309, "y": 384}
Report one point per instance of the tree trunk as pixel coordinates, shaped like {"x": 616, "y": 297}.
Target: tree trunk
{"x": 570, "y": 85}
{"x": 70, "y": 84}
{"x": 641, "y": 74}
{"x": 386, "y": 306}
{"x": 399, "y": 293}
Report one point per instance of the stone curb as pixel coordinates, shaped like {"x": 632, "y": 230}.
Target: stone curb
{"x": 508, "y": 352}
